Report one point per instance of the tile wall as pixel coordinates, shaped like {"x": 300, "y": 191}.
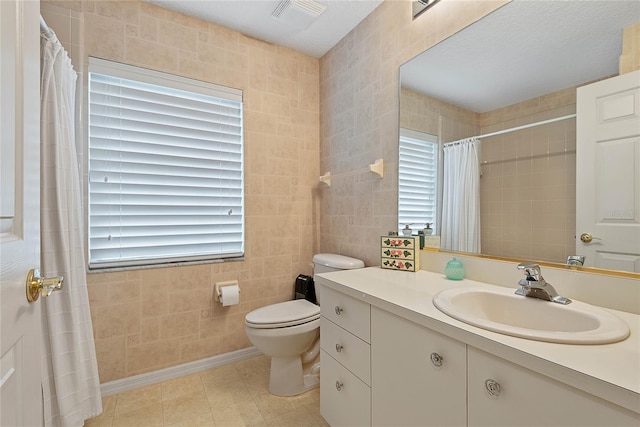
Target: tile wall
{"x": 528, "y": 184}
{"x": 150, "y": 319}
{"x": 359, "y": 99}
{"x": 433, "y": 116}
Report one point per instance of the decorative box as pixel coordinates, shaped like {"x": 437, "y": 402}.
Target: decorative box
{"x": 400, "y": 253}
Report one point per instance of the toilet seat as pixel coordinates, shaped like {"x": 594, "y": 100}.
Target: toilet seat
{"x": 282, "y": 315}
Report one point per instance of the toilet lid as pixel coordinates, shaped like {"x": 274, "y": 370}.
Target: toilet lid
{"x": 283, "y": 314}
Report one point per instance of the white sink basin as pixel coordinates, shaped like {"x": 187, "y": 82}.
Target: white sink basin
{"x": 504, "y": 312}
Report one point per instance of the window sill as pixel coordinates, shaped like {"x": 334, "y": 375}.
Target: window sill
{"x": 162, "y": 265}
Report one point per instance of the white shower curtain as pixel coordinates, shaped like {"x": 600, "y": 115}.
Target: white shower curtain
{"x": 461, "y": 196}
{"x": 70, "y": 384}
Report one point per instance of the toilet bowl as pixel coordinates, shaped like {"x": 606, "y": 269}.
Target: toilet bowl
{"x": 289, "y": 332}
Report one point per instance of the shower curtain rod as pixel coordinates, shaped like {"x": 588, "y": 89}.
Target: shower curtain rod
{"x": 500, "y": 132}
{"x": 44, "y": 27}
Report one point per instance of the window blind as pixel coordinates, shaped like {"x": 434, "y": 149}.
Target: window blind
{"x": 165, "y": 168}
{"x": 417, "y": 179}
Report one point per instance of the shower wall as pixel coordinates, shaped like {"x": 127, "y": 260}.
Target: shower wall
{"x": 528, "y": 184}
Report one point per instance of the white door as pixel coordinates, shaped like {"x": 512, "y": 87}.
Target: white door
{"x": 608, "y": 173}
{"x": 20, "y": 329}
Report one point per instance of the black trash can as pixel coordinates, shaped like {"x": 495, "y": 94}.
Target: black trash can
{"x": 305, "y": 288}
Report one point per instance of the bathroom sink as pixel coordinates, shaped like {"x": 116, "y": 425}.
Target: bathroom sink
{"x": 504, "y": 312}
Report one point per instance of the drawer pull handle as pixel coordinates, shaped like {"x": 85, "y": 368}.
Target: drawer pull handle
{"x": 436, "y": 360}
{"x": 493, "y": 387}
{"x": 338, "y": 310}
{"x": 339, "y": 385}
{"x": 339, "y": 348}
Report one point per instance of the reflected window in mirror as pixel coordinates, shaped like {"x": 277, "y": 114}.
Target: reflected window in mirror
{"x": 418, "y": 180}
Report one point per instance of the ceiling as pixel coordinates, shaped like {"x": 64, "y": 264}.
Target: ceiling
{"x": 253, "y": 18}
{"x": 523, "y": 50}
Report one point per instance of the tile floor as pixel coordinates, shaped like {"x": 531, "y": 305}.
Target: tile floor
{"x": 233, "y": 395}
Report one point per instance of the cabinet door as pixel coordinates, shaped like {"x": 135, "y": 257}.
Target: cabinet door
{"x": 344, "y": 399}
{"x": 407, "y": 387}
{"x": 520, "y": 397}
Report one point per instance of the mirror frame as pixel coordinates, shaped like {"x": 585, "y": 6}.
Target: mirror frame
{"x": 591, "y": 270}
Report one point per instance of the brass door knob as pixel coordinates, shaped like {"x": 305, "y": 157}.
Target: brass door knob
{"x": 37, "y": 285}
{"x": 587, "y": 237}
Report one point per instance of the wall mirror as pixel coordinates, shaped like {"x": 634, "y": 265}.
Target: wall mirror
{"x": 518, "y": 66}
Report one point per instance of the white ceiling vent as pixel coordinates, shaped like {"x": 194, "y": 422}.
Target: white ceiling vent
{"x": 298, "y": 13}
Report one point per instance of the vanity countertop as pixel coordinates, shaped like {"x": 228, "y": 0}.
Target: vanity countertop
{"x": 609, "y": 371}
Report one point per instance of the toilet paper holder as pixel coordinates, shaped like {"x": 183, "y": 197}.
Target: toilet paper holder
{"x": 218, "y": 286}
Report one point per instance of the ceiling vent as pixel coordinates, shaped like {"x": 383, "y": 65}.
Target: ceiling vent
{"x": 298, "y": 13}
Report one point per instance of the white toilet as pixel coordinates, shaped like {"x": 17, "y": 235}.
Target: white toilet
{"x": 289, "y": 332}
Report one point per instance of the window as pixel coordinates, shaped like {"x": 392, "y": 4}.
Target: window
{"x": 417, "y": 180}
{"x": 165, "y": 168}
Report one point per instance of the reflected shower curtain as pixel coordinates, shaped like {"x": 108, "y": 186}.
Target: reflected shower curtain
{"x": 461, "y": 197}
{"x": 70, "y": 384}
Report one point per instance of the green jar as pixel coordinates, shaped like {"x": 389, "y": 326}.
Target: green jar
{"x": 454, "y": 270}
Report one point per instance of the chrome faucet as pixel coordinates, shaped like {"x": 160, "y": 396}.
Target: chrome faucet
{"x": 576, "y": 260}
{"x": 534, "y": 285}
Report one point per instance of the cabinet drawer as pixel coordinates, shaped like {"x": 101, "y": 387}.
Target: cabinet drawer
{"x": 344, "y": 399}
{"x": 346, "y": 348}
{"x": 399, "y": 254}
{"x": 347, "y": 312}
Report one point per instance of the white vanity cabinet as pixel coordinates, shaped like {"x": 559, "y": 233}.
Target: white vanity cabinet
{"x": 378, "y": 368}
{"x": 504, "y": 394}
{"x": 418, "y": 377}
{"x": 345, "y": 393}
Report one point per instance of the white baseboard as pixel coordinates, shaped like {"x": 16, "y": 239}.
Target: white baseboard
{"x": 173, "y": 372}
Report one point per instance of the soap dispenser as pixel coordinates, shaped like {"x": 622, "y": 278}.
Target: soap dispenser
{"x": 454, "y": 270}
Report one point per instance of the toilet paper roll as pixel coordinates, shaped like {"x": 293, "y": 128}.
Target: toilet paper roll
{"x": 230, "y": 295}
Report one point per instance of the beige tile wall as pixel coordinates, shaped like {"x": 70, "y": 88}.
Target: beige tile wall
{"x": 630, "y": 58}
{"x": 359, "y": 99}
{"x": 433, "y": 116}
{"x": 528, "y": 183}
{"x": 145, "y": 320}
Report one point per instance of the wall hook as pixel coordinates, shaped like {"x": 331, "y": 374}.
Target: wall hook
{"x": 377, "y": 167}
{"x": 326, "y": 178}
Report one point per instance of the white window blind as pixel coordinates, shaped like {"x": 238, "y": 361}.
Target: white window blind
{"x": 417, "y": 180}
{"x": 165, "y": 168}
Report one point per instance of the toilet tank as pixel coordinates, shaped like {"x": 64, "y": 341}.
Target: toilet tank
{"x": 323, "y": 263}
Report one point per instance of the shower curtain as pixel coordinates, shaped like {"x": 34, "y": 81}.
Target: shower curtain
{"x": 70, "y": 384}
{"x": 461, "y": 196}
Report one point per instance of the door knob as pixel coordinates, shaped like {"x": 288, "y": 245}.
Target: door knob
{"x": 587, "y": 237}
{"x": 37, "y": 285}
